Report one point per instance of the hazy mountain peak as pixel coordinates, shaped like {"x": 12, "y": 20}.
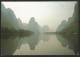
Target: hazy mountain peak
{"x": 19, "y": 19}
{"x": 76, "y": 7}
{"x": 45, "y": 26}
{"x": 2, "y": 6}
{"x": 32, "y": 19}
{"x": 10, "y": 10}
{"x": 64, "y": 21}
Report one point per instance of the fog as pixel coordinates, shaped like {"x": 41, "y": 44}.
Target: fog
{"x": 45, "y": 13}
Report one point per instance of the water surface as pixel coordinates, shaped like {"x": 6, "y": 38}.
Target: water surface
{"x": 40, "y": 44}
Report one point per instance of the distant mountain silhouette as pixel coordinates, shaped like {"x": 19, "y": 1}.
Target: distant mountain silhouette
{"x": 2, "y": 7}
{"x": 20, "y": 23}
{"x": 46, "y": 28}
{"x": 33, "y": 25}
{"x": 10, "y": 25}
{"x": 24, "y": 26}
{"x": 62, "y": 26}
{"x": 8, "y": 18}
{"x": 72, "y": 24}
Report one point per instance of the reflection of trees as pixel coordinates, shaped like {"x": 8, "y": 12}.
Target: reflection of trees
{"x": 9, "y": 45}
{"x": 70, "y": 40}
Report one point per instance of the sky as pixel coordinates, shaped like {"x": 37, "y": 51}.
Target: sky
{"x": 50, "y": 13}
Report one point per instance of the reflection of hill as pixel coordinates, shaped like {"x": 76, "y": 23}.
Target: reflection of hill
{"x": 69, "y": 40}
{"x": 44, "y": 37}
{"x": 9, "y": 45}
{"x": 32, "y": 41}
{"x": 72, "y": 24}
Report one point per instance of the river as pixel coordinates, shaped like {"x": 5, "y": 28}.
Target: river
{"x": 40, "y": 44}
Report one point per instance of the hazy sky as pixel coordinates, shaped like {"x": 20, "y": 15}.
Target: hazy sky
{"x": 45, "y": 13}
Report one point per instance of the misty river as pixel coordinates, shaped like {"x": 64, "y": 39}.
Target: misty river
{"x": 40, "y": 44}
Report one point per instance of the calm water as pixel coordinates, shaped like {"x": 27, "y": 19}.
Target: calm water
{"x": 40, "y": 44}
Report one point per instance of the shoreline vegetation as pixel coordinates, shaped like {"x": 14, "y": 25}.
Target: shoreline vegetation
{"x": 62, "y": 33}
{"x": 14, "y": 32}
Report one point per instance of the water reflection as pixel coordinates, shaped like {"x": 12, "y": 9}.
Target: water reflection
{"x": 32, "y": 41}
{"x": 69, "y": 40}
{"x": 9, "y": 45}
{"x": 44, "y": 37}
